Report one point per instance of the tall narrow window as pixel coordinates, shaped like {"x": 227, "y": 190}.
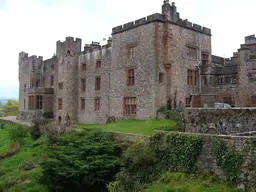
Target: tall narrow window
{"x": 97, "y": 104}
{"x": 82, "y": 103}
{"x": 52, "y": 80}
{"x": 161, "y": 77}
{"x": 37, "y": 83}
{"x": 60, "y": 104}
{"x": 187, "y": 102}
{"x": 52, "y": 66}
{"x": 130, "y": 77}
{"x": 60, "y": 86}
{"x": 83, "y": 67}
{"x": 205, "y": 58}
{"x": 204, "y": 80}
{"x": 25, "y": 87}
{"x": 98, "y": 64}
{"x": 24, "y": 104}
{"x": 131, "y": 51}
{"x": 211, "y": 81}
{"x": 31, "y": 101}
{"x": 196, "y": 78}
{"x": 253, "y": 100}
{"x": 97, "y": 83}
{"x": 43, "y": 83}
{"x": 190, "y": 77}
{"x": 39, "y": 102}
{"x": 83, "y": 85}
{"x": 130, "y": 105}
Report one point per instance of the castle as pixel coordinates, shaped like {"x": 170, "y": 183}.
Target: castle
{"x": 160, "y": 60}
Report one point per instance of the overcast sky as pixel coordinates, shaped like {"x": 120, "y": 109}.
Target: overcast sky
{"x": 34, "y": 26}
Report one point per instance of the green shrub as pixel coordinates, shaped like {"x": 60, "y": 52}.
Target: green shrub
{"x": 85, "y": 160}
{"x": 18, "y": 133}
{"x": 13, "y": 148}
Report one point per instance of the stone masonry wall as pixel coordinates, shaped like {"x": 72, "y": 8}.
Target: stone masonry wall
{"x": 220, "y": 121}
{"x": 206, "y": 161}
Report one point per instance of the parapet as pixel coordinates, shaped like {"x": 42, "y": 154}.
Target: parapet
{"x": 71, "y": 39}
{"x": 161, "y": 18}
{"x": 142, "y": 21}
{"x": 250, "y": 39}
{"x": 26, "y": 56}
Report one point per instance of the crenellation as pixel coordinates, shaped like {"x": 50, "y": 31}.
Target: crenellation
{"x": 155, "y": 17}
{"x": 128, "y": 25}
{"x": 197, "y": 27}
{"x": 141, "y": 21}
{"x": 69, "y": 38}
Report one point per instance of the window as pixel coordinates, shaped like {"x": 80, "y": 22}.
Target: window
{"x": 190, "y": 77}
{"x": 97, "y": 104}
{"x": 24, "y": 104}
{"x": 83, "y": 85}
{"x": 97, "y": 83}
{"x": 192, "y": 53}
{"x": 37, "y": 83}
{"x": 130, "y": 77}
{"x": 161, "y": 77}
{"x": 204, "y": 80}
{"x": 220, "y": 80}
{"x": 98, "y": 64}
{"x": 253, "y": 100}
{"x": 25, "y": 87}
{"x": 82, "y": 103}
{"x": 83, "y": 67}
{"x": 60, "y": 103}
{"x": 39, "y": 102}
{"x": 195, "y": 78}
{"x": 211, "y": 81}
{"x": 52, "y": 66}
{"x": 205, "y": 58}
{"x": 31, "y": 102}
{"x": 131, "y": 51}
{"x": 60, "y": 86}
{"x": 52, "y": 80}
{"x": 43, "y": 83}
{"x": 187, "y": 102}
{"x": 32, "y": 83}
{"x": 130, "y": 105}
{"x": 229, "y": 100}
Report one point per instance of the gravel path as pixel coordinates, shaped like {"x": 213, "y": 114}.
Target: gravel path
{"x": 13, "y": 119}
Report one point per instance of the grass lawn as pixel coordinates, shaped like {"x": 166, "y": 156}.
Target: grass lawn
{"x": 182, "y": 182}
{"x": 141, "y": 127}
{"x": 14, "y": 176}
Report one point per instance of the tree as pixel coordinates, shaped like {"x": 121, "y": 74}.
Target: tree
{"x": 11, "y": 108}
{"x": 81, "y": 161}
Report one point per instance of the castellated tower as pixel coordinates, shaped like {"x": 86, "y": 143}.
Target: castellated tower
{"x": 67, "y": 78}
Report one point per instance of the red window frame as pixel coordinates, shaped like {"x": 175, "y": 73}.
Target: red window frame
{"x": 83, "y": 85}
{"x": 61, "y": 86}
{"x": 60, "y": 104}
{"x": 98, "y": 64}
{"x": 82, "y": 103}
{"x": 83, "y": 67}
{"x": 130, "y": 106}
{"x": 97, "y": 104}
{"x": 130, "y": 77}
{"x": 97, "y": 83}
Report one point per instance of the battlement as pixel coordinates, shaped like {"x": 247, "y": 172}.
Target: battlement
{"x": 94, "y": 46}
{"x": 251, "y": 39}
{"x": 26, "y": 56}
{"x": 161, "y": 18}
{"x": 70, "y": 39}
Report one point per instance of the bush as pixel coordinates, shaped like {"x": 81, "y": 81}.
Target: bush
{"x": 85, "y": 160}
{"x": 13, "y": 148}
{"x": 18, "y": 133}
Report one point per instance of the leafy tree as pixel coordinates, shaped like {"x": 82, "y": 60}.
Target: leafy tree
{"x": 10, "y": 108}
{"x": 81, "y": 161}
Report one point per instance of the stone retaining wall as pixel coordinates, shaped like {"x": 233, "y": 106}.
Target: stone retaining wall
{"x": 220, "y": 121}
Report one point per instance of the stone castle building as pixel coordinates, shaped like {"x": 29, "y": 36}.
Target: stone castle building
{"x": 159, "y": 60}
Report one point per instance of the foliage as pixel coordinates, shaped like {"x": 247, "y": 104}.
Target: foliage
{"x": 229, "y": 160}
{"x": 252, "y": 163}
{"x": 81, "y": 160}
{"x": 35, "y": 130}
{"x": 10, "y": 108}
{"x": 176, "y": 152}
{"x": 133, "y": 126}
{"x": 184, "y": 182}
{"x": 18, "y": 133}
{"x": 138, "y": 170}
{"x": 144, "y": 163}
{"x": 13, "y": 176}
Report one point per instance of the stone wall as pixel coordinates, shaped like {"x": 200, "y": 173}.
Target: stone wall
{"x": 220, "y": 121}
{"x": 29, "y": 116}
{"x": 206, "y": 161}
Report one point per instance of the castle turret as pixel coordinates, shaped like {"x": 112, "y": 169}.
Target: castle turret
{"x": 67, "y": 78}
{"x": 170, "y": 11}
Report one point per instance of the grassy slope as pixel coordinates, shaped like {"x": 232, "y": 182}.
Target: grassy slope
{"x": 132, "y": 126}
{"x": 14, "y": 177}
{"x": 181, "y": 182}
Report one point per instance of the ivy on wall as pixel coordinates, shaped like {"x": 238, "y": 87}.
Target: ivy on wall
{"x": 229, "y": 160}
{"x": 176, "y": 152}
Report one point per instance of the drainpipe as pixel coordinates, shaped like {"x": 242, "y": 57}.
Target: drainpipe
{"x": 199, "y": 77}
